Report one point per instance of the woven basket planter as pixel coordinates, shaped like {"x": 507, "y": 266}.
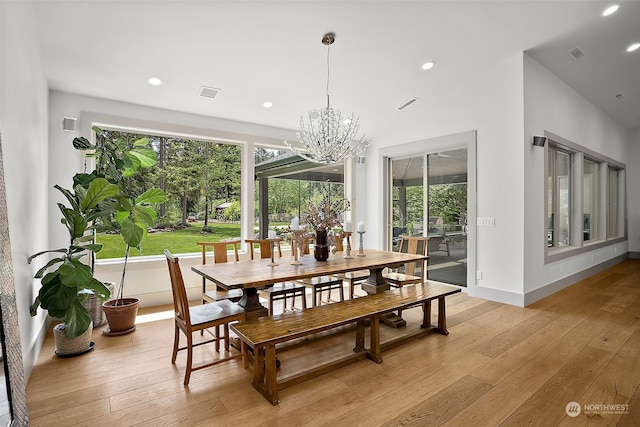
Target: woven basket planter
{"x": 67, "y": 347}
{"x": 94, "y": 306}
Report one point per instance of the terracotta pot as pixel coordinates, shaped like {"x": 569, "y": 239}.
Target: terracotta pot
{"x": 121, "y": 317}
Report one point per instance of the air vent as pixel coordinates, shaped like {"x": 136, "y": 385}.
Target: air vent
{"x": 576, "y": 53}
{"x": 619, "y": 96}
{"x": 209, "y": 92}
{"x": 406, "y": 104}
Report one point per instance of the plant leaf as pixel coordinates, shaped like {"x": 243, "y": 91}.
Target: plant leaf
{"x": 82, "y": 143}
{"x": 141, "y": 142}
{"x": 74, "y": 221}
{"x": 99, "y": 289}
{"x": 54, "y": 261}
{"x": 145, "y": 156}
{"x": 99, "y": 189}
{"x": 54, "y": 296}
{"x": 144, "y": 216}
{"x": 76, "y": 319}
{"x": 74, "y": 273}
{"x": 132, "y": 234}
{"x": 69, "y": 195}
{"x": 152, "y": 196}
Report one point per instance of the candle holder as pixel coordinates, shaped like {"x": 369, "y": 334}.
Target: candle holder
{"x": 347, "y": 250}
{"x": 361, "y": 248}
{"x": 296, "y": 238}
{"x": 273, "y": 263}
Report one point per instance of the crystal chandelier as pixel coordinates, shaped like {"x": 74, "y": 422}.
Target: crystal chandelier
{"x": 327, "y": 137}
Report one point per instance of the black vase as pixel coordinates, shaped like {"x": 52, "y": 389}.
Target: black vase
{"x": 321, "y": 250}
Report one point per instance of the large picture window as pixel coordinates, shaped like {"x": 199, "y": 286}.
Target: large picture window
{"x": 201, "y": 180}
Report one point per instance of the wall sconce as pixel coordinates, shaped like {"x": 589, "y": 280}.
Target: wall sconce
{"x": 539, "y": 141}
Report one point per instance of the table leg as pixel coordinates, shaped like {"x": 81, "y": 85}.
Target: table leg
{"x": 376, "y": 284}
{"x": 250, "y": 301}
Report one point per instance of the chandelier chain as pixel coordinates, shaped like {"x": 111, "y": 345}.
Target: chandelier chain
{"x": 326, "y": 137}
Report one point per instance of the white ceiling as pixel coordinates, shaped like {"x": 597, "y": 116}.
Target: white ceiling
{"x": 271, "y": 51}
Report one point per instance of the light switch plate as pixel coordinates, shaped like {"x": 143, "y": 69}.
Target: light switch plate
{"x": 486, "y": 222}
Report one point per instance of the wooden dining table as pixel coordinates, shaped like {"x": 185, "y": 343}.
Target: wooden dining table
{"x": 257, "y": 274}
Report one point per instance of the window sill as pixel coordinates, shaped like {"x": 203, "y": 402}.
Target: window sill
{"x": 557, "y": 254}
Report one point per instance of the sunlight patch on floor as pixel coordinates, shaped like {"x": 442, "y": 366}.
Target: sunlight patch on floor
{"x": 154, "y": 317}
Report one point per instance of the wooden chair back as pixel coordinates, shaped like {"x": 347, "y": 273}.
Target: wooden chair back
{"x": 416, "y": 245}
{"x": 338, "y": 240}
{"x": 264, "y": 246}
{"x": 219, "y": 250}
{"x": 180, "y": 301}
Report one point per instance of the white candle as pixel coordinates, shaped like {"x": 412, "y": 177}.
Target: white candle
{"x": 361, "y": 226}
{"x": 347, "y": 225}
{"x": 295, "y": 223}
{"x": 272, "y": 234}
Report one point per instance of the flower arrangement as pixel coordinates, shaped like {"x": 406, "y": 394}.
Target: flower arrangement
{"x": 326, "y": 214}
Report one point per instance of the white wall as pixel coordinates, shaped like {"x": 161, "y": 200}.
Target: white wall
{"x": 633, "y": 192}
{"x": 492, "y": 105}
{"x": 23, "y": 123}
{"x": 551, "y": 105}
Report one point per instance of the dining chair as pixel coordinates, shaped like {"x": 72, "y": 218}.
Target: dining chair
{"x": 411, "y": 272}
{"x": 352, "y": 278}
{"x": 320, "y": 284}
{"x": 284, "y": 292}
{"x": 198, "y": 318}
{"x": 219, "y": 256}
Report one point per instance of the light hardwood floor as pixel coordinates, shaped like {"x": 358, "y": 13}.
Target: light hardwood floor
{"x": 500, "y": 365}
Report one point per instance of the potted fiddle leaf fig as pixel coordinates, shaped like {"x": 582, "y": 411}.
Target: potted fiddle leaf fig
{"x": 118, "y": 159}
{"x": 66, "y": 281}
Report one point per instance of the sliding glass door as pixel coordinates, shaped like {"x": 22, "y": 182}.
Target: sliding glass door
{"x": 429, "y": 198}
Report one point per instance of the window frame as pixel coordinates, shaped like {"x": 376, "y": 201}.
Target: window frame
{"x": 577, "y": 243}
{"x": 172, "y": 130}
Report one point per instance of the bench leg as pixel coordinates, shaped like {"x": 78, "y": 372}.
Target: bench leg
{"x": 244, "y": 348}
{"x": 442, "y": 317}
{"x": 258, "y": 367}
{"x": 359, "y": 336}
{"x": 426, "y": 314}
{"x": 374, "y": 352}
{"x": 271, "y": 386}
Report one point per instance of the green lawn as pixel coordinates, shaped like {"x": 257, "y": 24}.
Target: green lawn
{"x": 179, "y": 241}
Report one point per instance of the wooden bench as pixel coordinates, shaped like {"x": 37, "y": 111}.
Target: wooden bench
{"x": 264, "y": 333}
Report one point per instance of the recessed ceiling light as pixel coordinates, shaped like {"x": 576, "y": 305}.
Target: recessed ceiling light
{"x": 154, "y": 81}
{"x": 267, "y": 104}
{"x": 610, "y": 10}
{"x": 633, "y": 47}
{"x": 428, "y": 65}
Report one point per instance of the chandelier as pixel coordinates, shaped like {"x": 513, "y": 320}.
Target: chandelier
{"x": 327, "y": 137}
